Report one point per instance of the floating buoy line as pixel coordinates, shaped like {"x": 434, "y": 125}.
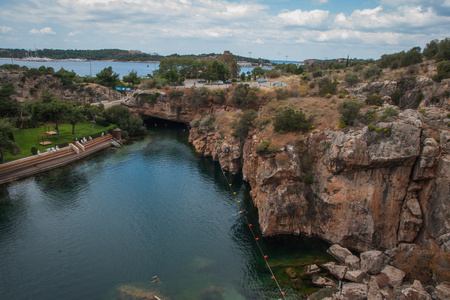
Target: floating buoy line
{"x": 256, "y": 239}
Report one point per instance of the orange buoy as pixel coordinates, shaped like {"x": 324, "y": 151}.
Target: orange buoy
{"x": 265, "y": 256}
{"x": 282, "y": 293}
{"x": 257, "y": 239}
{"x": 230, "y": 184}
{"x": 234, "y": 193}
{"x": 250, "y": 225}
{"x": 273, "y": 277}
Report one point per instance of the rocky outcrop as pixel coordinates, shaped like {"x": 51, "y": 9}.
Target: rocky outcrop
{"x": 361, "y": 188}
{"x": 413, "y": 92}
{"x": 31, "y": 87}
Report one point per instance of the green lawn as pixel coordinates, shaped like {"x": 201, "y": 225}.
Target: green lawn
{"x": 27, "y": 138}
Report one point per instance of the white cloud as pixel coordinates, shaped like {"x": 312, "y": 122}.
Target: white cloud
{"x": 74, "y": 33}
{"x": 5, "y": 29}
{"x": 313, "y": 18}
{"x": 43, "y": 31}
{"x": 402, "y": 19}
{"x": 320, "y": 2}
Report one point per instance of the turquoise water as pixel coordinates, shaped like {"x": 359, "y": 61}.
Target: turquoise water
{"x": 109, "y": 223}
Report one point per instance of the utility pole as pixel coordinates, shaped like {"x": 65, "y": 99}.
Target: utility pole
{"x": 249, "y": 53}
{"x": 286, "y": 57}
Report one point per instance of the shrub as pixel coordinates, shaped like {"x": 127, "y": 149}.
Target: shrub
{"x": 282, "y": 159}
{"x": 308, "y": 179}
{"x": 371, "y": 127}
{"x": 341, "y": 95}
{"x": 263, "y": 148}
{"x": 443, "y": 71}
{"x": 317, "y": 73}
{"x": 372, "y": 71}
{"x": 34, "y": 150}
{"x": 390, "y": 111}
{"x": 349, "y": 111}
{"x": 396, "y": 96}
{"x": 374, "y": 99}
{"x": 351, "y": 79}
{"x": 342, "y": 124}
{"x": 421, "y": 263}
{"x": 241, "y": 128}
{"x": 290, "y": 120}
{"x": 330, "y": 88}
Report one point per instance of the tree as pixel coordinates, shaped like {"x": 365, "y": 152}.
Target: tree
{"x": 171, "y": 76}
{"x": 228, "y": 59}
{"x": 51, "y": 109}
{"x": 121, "y": 116}
{"x": 132, "y": 78}
{"x": 216, "y": 70}
{"x": 7, "y": 144}
{"x": 107, "y": 77}
{"x": 349, "y": 111}
{"x": 92, "y": 112}
{"x": 431, "y": 49}
{"x": 8, "y": 106}
{"x": 291, "y": 120}
{"x": 75, "y": 115}
{"x": 257, "y": 71}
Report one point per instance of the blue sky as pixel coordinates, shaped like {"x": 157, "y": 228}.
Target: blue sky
{"x": 269, "y": 29}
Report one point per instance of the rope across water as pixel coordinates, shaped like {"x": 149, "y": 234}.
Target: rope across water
{"x": 256, "y": 239}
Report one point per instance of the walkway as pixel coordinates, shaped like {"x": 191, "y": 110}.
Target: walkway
{"x": 50, "y": 160}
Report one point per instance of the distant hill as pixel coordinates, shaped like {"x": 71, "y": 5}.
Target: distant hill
{"x": 107, "y": 54}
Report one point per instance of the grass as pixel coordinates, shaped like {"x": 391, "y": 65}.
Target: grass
{"x": 27, "y": 138}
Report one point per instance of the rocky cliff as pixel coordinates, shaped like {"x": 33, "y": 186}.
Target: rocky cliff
{"x": 359, "y": 187}
{"x": 31, "y": 87}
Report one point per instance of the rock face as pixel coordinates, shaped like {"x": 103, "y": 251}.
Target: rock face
{"x": 363, "y": 189}
{"x": 31, "y": 87}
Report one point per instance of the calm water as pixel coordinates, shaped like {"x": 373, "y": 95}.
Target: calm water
{"x": 92, "y": 68}
{"x": 111, "y": 222}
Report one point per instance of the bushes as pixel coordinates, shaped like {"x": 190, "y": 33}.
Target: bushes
{"x": 241, "y": 128}
{"x": 330, "y": 88}
{"x": 372, "y": 71}
{"x": 245, "y": 96}
{"x": 349, "y": 111}
{"x": 443, "y": 71}
{"x": 351, "y": 79}
{"x": 290, "y": 120}
{"x": 374, "y": 99}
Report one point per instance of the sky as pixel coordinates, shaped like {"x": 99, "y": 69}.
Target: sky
{"x": 277, "y": 29}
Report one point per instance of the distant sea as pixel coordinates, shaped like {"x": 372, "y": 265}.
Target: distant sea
{"x": 86, "y": 68}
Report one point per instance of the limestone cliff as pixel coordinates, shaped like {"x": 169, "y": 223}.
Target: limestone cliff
{"x": 359, "y": 187}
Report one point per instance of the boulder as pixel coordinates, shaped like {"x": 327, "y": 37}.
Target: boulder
{"x": 357, "y": 276}
{"x": 395, "y": 275}
{"x": 442, "y": 291}
{"x": 415, "y": 292}
{"x": 339, "y": 252}
{"x": 373, "y": 261}
{"x": 323, "y": 281}
{"x": 336, "y": 270}
{"x": 354, "y": 291}
{"x": 374, "y": 292}
{"x": 312, "y": 269}
{"x": 353, "y": 262}
{"x": 410, "y": 220}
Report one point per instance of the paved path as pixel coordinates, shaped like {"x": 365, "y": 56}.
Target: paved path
{"x": 51, "y": 163}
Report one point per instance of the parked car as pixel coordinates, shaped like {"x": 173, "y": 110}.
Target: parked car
{"x": 228, "y": 81}
{"x": 218, "y": 82}
{"x": 262, "y": 80}
{"x": 201, "y": 81}
{"x": 277, "y": 83}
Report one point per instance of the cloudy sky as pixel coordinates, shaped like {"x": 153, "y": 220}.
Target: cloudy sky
{"x": 274, "y": 29}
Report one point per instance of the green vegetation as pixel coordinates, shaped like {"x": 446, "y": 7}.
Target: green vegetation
{"x": 349, "y": 111}
{"x": 374, "y": 99}
{"x": 443, "y": 70}
{"x": 25, "y": 139}
{"x": 128, "y": 123}
{"x": 245, "y": 96}
{"x": 291, "y": 120}
{"x": 241, "y": 127}
{"x": 7, "y": 141}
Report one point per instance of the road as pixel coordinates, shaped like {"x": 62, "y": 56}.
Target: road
{"x": 190, "y": 83}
